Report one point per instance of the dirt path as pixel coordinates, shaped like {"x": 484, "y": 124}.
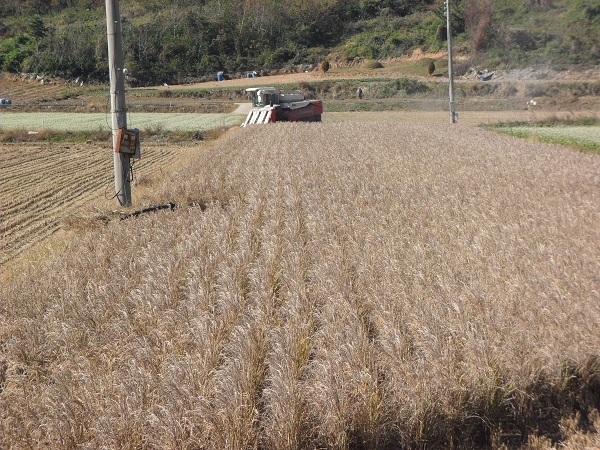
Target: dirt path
{"x": 398, "y": 69}
{"x": 243, "y": 108}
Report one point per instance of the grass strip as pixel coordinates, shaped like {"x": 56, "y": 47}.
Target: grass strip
{"x": 583, "y": 133}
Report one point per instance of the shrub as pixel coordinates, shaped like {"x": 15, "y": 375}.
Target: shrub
{"x": 410, "y": 86}
{"x": 431, "y": 68}
{"x": 371, "y": 64}
{"x": 306, "y": 87}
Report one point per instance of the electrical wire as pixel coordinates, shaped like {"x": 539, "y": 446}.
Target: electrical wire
{"x": 127, "y": 176}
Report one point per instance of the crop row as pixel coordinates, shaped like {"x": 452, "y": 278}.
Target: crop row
{"x": 358, "y": 285}
{"x": 44, "y": 185}
{"x": 102, "y": 121}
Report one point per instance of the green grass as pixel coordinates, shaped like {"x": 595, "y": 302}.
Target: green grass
{"x": 583, "y": 134}
{"x": 102, "y": 121}
{"x": 53, "y": 136}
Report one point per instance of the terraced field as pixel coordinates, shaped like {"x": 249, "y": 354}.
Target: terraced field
{"x": 27, "y": 91}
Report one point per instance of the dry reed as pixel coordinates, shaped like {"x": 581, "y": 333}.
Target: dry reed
{"x": 364, "y": 286}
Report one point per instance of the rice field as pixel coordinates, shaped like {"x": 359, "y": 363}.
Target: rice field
{"x": 326, "y": 285}
{"x": 102, "y": 121}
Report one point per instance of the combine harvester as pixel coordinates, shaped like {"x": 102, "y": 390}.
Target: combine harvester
{"x": 275, "y": 105}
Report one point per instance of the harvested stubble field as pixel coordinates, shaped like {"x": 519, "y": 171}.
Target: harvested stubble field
{"x": 51, "y": 187}
{"x": 329, "y": 285}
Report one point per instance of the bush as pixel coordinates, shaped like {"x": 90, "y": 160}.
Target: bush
{"x": 305, "y": 86}
{"x": 410, "y": 86}
{"x": 13, "y": 51}
{"x": 371, "y": 64}
{"x": 431, "y": 68}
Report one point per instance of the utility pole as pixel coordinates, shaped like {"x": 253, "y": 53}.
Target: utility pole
{"x": 453, "y": 115}
{"x": 118, "y": 108}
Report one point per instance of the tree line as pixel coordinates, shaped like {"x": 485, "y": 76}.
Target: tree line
{"x": 184, "y": 38}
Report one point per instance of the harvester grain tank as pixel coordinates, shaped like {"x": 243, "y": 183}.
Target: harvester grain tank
{"x": 274, "y": 105}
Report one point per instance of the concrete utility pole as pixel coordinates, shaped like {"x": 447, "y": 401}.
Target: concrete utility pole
{"x": 118, "y": 108}
{"x": 453, "y": 115}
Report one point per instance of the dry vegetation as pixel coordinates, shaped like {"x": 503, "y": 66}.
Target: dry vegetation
{"x": 47, "y": 187}
{"x": 331, "y": 286}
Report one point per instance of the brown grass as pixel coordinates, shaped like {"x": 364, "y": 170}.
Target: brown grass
{"x": 359, "y": 285}
{"x": 50, "y": 188}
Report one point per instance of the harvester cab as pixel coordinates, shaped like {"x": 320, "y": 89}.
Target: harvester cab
{"x": 263, "y": 96}
{"x": 273, "y": 105}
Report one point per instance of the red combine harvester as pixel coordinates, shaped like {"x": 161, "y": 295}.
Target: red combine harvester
{"x": 275, "y": 105}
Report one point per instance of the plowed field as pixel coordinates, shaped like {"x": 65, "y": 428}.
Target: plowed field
{"x": 44, "y": 185}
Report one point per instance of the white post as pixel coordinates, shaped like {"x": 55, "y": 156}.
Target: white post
{"x": 118, "y": 108}
{"x": 453, "y": 115}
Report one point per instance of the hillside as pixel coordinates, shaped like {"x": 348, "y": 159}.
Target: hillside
{"x": 188, "y": 40}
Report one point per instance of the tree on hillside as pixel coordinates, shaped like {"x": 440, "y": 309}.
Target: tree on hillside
{"x": 14, "y": 51}
{"x": 431, "y": 68}
{"x": 371, "y": 8}
{"x": 37, "y": 28}
{"x": 477, "y": 18}
{"x": 38, "y": 31}
{"x": 182, "y": 39}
